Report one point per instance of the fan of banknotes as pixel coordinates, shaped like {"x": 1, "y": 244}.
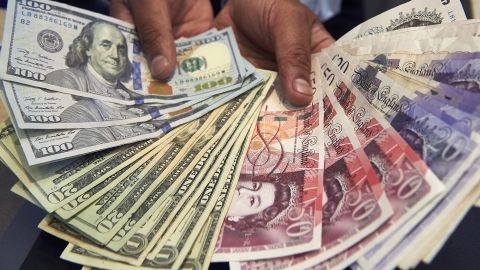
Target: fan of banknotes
{"x": 215, "y": 165}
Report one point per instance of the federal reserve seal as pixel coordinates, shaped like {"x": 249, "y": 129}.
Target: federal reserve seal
{"x": 50, "y": 41}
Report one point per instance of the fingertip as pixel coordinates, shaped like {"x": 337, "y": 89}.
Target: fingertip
{"x": 300, "y": 92}
{"x": 154, "y": 27}
{"x": 161, "y": 68}
{"x": 321, "y": 38}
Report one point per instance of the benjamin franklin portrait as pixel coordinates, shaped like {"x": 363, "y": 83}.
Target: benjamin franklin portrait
{"x": 97, "y": 62}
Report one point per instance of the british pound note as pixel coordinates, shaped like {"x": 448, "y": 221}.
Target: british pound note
{"x": 406, "y": 36}
{"x": 276, "y": 208}
{"x": 457, "y": 69}
{"x": 407, "y": 181}
{"x": 437, "y": 143}
{"x": 355, "y": 203}
{"x": 411, "y": 14}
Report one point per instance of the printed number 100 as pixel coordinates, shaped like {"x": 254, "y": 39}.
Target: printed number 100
{"x": 28, "y": 74}
{"x": 55, "y": 149}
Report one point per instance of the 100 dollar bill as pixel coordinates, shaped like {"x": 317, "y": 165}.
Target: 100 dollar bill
{"x": 44, "y": 146}
{"x": 36, "y": 108}
{"x": 46, "y": 51}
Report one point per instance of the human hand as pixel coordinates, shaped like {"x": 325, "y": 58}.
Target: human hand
{"x": 160, "y": 22}
{"x": 278, "y": 34}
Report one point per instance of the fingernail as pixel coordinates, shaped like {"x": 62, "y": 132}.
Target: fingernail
{"x": 303, "y": 87}
{"x": 159, "y": 64}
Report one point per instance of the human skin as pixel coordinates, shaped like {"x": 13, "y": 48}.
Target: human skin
{"x": 278, "y": 35}
{"x": 272, "y": 34}
{"x": 160, "y": 22}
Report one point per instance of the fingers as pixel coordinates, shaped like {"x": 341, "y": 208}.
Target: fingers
{"x": 154, "y": 27}
{"x": 119, "y": 10}
{"x": 291, "y": 43}
{"x": 292, "y": 29}
{"x": 321, "y": 39}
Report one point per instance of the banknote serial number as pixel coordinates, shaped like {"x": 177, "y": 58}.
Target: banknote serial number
{"x": 47, "y": 19}
{"x": 34, "y": 10}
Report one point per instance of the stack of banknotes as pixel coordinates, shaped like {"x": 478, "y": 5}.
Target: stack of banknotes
{"x": 401, "y": 96}
{"x": 214, "y": 165}
{"x": 77, "y": 82}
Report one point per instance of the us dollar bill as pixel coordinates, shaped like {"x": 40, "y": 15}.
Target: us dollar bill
{"x": 18, "y": 188}
{"x": 186, "y": 226}
{"x": 36, "y": 108}
{"x": 202, "y": 250}
{"x": 184, "y": 191}
{"x": 50, "y": 185}
{"x": 3, "y": 113}
{"x": 101, "y": 220}
{"x": 64, "y": 184}
{"x": 6, "y": 157}
{"x": 130, "y": 251}
{"x": 192, "y": 219}
{"x": 143, "y": 240}
{"x": 80, "y": 255}
{"x": 411, "y": 14}
{"x": 137, "y": 243}
{"x": 47, "y": 51}
{"x": 227, "y": 121}
{"x": 44, "y": 146}
{"x": 59, "y": 229}
{"x": 23, "y": 192}
{"x": 212, "y": 170}
{"x": 114, "y": 262}
{"x": 110, "y": 174}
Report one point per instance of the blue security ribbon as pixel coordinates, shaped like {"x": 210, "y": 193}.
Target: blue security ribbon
{"x": 154, "y": 112}
{"x": 139, "y": 100}
{"x": 166, "y": 127}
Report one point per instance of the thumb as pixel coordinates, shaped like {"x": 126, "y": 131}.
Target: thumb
{"x": 154, "y": 27}
{"x": 292, "y": 41}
